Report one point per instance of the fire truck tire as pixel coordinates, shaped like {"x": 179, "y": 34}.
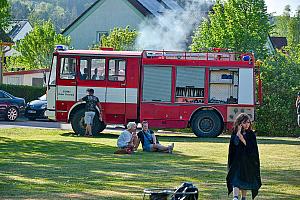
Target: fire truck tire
{"x": 78, "y": 125}
{"x": 207, "y": 123}
{"x": 98, "y": 126}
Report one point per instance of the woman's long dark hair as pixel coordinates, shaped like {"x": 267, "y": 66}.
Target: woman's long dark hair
{"x": 243, "y": 117}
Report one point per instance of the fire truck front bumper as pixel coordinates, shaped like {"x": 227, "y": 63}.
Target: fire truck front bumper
{"x": 50, "y": 114}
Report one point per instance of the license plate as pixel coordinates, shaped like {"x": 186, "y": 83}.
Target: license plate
{"x": 31, "y": 111}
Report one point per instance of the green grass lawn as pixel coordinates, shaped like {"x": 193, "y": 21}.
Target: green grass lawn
{"x": 53, "y": 164}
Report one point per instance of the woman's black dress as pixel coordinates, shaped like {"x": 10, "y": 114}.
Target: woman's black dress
{"x": 243, "y": 164}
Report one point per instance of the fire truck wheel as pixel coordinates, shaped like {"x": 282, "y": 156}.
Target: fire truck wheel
{"x": 98, "y": 126}
{"x": 78, "y": 125}
{"x": 207, "y": 123}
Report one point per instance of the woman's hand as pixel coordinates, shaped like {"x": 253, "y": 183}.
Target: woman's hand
{"x": 240, "y": 135}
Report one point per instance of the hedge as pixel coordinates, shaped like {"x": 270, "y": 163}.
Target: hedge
{"x": 281, "y": 82}
{"x": 29, "y": 93}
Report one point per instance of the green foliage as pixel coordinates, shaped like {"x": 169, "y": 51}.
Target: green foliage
{"x": 241, "y": 25}
{"x": 29, "y": 93}
{"x": 120, "y": 39}
{"x": 37, "y": 47}
{"x": 288, "y": 26}
{"x": 280, "y": 76}
{"x": 53, "y": 164}
{"x": 60, "y": 12}
{"x": 44, "y": 11}
{"x": 4, "y": 14}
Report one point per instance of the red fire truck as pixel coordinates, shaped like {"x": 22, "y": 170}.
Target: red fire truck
{"x": 204, "y": 91}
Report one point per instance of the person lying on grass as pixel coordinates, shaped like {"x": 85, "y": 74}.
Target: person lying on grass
{"x": 128, "y": 140}
{"x": 150, "y": 142}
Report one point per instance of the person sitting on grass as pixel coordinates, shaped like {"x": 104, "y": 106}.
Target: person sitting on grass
{"x": 127, "y": 141}
{"x": 149, "y": 141}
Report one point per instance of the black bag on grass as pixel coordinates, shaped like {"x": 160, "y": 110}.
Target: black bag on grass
{"x": 187, "y": 191}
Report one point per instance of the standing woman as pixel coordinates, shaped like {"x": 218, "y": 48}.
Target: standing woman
{"x": 243, "y": 160}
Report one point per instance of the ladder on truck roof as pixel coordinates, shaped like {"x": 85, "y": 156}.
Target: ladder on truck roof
{"x": 181, "y": 55}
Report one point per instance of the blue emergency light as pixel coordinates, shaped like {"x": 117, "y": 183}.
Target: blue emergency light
{"x": 246, "y": 58}
{"x": 61, "y": 47}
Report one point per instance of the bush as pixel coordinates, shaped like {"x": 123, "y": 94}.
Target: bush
{"x": 29, "y": 93}
{"x": 280, "y": 75}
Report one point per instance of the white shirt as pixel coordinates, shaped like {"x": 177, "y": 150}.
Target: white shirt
{"x": 124, "y": 139}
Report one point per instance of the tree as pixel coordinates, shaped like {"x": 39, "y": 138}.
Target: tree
{"x": 60, "y": 12}
{"x": 4, "y": 14}
{"x": 37, "y": 47}
{"x": 58, "y": 15}
{"x": 20, "y": 9}
{"x": 288, "y": 26}
{"x": 293, "y": 35}
{"x": 280, "y": 76}
{"x": 120, "y": 39}
{"x": 241, "y": 25}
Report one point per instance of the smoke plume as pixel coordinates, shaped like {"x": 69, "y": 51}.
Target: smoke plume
{"x": 172, "y": 30}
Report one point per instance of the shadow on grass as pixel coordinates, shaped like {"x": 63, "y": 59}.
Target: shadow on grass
{"x": 191, "y": 138}
{"x": 86, "y": 170}
{"x": 64, "y": 168}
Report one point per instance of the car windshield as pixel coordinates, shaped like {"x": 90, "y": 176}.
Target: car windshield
{"x": 43, "y": 98}
{"x": 7, "y": 94}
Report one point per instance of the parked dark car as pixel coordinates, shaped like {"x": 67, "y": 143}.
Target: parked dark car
{"x": 11, "y": 107}
{"x": 36, "y": 108}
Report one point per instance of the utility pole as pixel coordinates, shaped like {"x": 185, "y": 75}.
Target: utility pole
{"x": 2, "y": 52}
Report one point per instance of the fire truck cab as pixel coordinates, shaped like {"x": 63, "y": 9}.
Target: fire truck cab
{"x": 204, "y": 91}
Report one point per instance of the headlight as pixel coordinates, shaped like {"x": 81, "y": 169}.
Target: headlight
{"x": 44, "y": 106}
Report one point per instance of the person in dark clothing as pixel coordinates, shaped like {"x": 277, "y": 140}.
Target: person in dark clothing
{"x": 298, "y": 108}
{"x": 243, "y": 159}
{"x": 85, "y": 74}
{"x": 150, "y": 142}
{"x": 95, "y": 75}
{"x": 90, "y": 110}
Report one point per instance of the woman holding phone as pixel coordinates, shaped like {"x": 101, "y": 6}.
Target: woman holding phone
{"x": 243, "y": 160}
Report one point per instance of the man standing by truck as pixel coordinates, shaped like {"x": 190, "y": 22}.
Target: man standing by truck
{"x": 90, "y": 110}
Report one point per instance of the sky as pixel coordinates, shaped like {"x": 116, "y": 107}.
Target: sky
{"x": 278, "y": 5}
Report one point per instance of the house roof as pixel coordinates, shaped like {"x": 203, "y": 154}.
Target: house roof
{"x": 278, "y": 42}
{"x": 4, "y": 38}
{"x": 16, "y": 26}
{"x": 146, "y": 7}
{"x": 26, "y": 72}
{"x": 157, "y": 7}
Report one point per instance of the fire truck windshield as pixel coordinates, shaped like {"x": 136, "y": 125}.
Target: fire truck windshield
{"x": 52, "y": 78}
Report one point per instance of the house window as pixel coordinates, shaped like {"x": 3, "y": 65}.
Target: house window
{"x": 99, "y": 35}
{"x": 37, "y": 82}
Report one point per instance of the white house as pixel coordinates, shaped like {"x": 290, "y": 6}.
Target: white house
{"x": 17, "y": 30}
{"x": 30, "y": 77}
{"x": 104, "y": 15}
